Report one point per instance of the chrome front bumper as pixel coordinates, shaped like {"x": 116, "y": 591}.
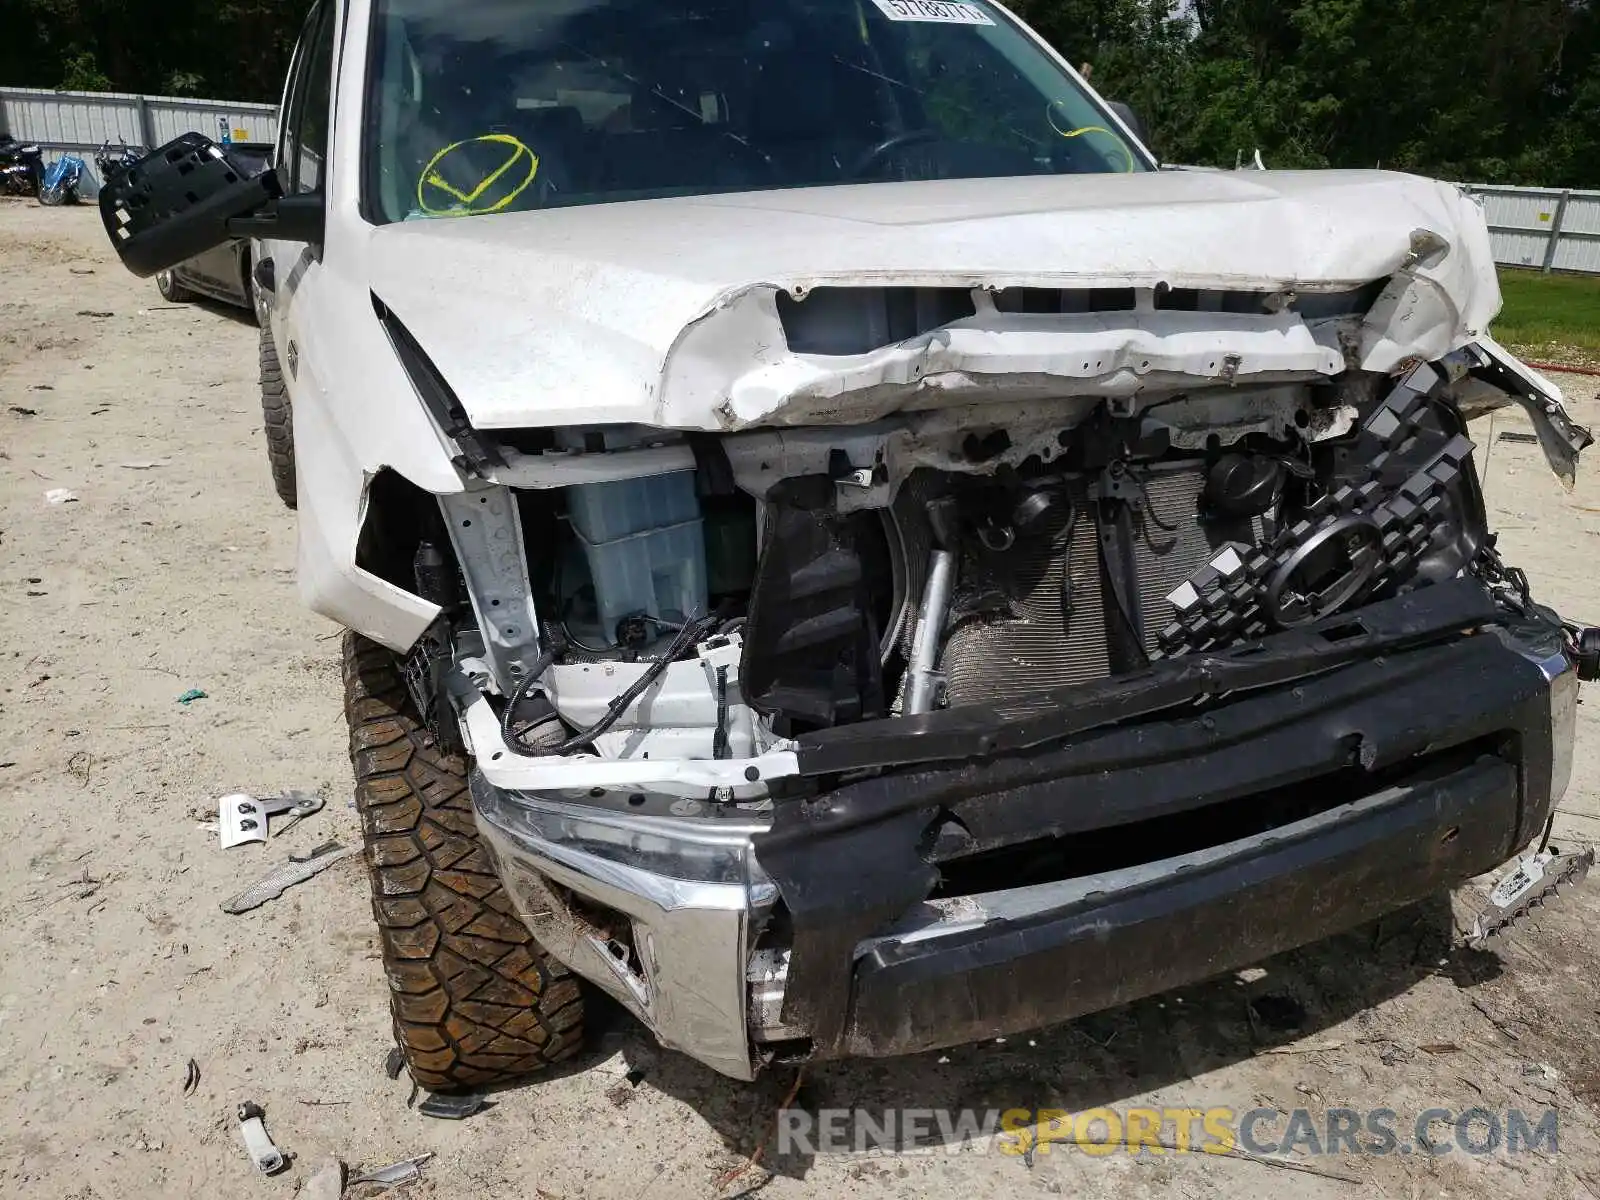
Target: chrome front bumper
{"x": 659, "y": 900}
{"x": 688, "y": 887}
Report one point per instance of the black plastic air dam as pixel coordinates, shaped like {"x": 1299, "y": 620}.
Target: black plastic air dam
{"x": 1137, "y": 933}
{"x": 852, "y": 862}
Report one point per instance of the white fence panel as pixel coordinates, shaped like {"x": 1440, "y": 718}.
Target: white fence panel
{"x": 1583, "y": 214}
{"x": 253, "y": 123}
{"x": 79, "y": 122}
{"x": 1519, "y": 249}
{"x": 1547, "y": 229}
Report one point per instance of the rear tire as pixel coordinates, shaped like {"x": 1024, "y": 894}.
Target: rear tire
{"x": 475, "y": 1000}
{"x": 277, "y": 418}
{"x": 252, "y": 295}
{"x": 171, "y": 290}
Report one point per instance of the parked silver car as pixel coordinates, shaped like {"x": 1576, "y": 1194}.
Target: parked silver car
{"x": 224, "y": 272}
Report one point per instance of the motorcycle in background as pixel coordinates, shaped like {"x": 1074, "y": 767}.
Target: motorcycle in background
{"x": 61, "y": 179}
{"x": 108, "y": 162}
{"x": 21, "y": 167}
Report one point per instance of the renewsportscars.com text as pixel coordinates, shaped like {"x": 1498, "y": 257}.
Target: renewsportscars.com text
{"x": 1101, "y": 1131}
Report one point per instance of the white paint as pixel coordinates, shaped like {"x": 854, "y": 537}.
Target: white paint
{"x": 675, "y": 776}
{"x": 663, "y": 312}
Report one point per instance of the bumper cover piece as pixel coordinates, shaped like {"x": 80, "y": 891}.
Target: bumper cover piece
{"x": 1048, "y": 953}
{"x": 1467, "y": 739}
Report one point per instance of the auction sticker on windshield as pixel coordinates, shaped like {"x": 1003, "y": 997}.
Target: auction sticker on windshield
{"x": 947, "y": 12}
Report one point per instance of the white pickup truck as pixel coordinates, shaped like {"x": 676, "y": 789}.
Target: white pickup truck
{"x": 843, "y": 552}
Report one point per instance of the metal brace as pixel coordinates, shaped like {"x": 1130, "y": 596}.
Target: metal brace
{"x": 486, "y": 531}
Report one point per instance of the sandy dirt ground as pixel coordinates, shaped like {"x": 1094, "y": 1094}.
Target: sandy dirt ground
{"x": 174, "y": 570}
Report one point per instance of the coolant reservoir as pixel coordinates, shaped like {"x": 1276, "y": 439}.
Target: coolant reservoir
{"x": 645, "y": 547}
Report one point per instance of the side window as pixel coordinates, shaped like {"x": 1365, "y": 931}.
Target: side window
{"x": 287, "y": 115}
{"x": 304, "y": 144}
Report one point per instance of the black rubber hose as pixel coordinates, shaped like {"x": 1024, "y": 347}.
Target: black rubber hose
{"x": 691, "y": 632}
{"x": 553, "y": 647}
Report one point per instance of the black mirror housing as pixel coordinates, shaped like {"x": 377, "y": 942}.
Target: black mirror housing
{"x": 297, "y": 218}
{"x": 176, "y": 202}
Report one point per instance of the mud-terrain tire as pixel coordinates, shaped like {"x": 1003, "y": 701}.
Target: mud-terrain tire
{"x": 277, "y": 418}
{"x": 475, "y": 1000}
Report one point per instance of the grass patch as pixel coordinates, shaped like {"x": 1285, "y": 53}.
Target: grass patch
{"x": 1556, "y": 317}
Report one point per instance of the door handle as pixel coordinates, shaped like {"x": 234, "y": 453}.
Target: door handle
{"x": 265, "y": 275}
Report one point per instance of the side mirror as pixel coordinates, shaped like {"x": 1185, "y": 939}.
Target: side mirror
{"x": 188, "y": 197}
{"x": 1129, "y": 118}
{"x": 301, "y": 217}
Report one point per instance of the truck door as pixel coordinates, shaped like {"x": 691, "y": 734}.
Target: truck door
{"x": 301, "y": 161}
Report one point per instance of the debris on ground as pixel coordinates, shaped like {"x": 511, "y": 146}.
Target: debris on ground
{"x": 141, "y": 464}
{"x": 315, "y": 851}
{"x": 326, "y": 1184}
{"x": 281, "y": 878}
{"x": 296, "y": 806}
{"x": 754, "y": 1160}
{"x": 24, "y": 412}
{"x": 404, "y": 1171}
{"x": 1511, "y": 435}
{"x": 61, "y": 496}
{"x": 190, "y": 696}
{"x": 191, "y": 1078}
{"x": 243, "y": 818}
{"x": 452, "y": 1108}
{"x": 1535, "y": 879}
{"x": 1499, "y": 1024}
{"x": 81, "y": 766}
{"x": 240, "y": 820}
{"x": 269, "y": 1160}
{"x": 1309, "y": 1048}
{"x": 394, "y": 1062}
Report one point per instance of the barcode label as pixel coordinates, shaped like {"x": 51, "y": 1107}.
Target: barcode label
{"x": 945, "y": 12}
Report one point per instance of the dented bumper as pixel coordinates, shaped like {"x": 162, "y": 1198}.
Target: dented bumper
{"x": 1412, "y": 771}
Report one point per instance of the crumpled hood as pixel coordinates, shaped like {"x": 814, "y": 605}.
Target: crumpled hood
{"x": 664, "y": 312}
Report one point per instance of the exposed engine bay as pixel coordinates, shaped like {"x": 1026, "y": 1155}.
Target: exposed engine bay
{"x": 706, "y": 598}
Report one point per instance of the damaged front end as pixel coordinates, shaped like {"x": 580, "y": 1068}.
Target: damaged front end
{"x": 805, "y": 736}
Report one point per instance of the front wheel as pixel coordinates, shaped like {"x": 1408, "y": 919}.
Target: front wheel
{"x": 474, "y": 998}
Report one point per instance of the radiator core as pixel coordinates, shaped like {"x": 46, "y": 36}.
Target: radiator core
{"x": 1039, "y": 646}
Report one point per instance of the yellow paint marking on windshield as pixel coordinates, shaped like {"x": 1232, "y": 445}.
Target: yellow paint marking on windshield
{"x": 1122, "y": 147}
{"x": 466, "y": 203}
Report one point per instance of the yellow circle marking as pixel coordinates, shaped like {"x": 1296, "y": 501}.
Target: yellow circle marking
{"x": 1122, "y": 147}
{"x": 466, "y": 203}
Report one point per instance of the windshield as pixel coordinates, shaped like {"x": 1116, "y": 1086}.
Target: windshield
{"x": 478, "y": 106}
